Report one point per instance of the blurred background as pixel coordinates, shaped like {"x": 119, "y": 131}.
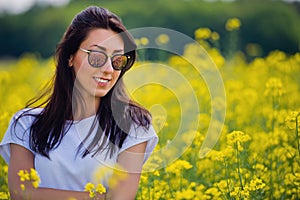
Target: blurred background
{"x": 36, "y": 26}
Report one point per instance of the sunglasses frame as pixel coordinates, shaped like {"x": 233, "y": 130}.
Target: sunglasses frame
{"x": 106, "y": 58}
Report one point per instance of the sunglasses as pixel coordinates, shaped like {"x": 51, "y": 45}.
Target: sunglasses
{"x": 98, "y": 59}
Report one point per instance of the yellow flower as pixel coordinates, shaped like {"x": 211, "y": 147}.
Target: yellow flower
{"x": 24, "y": 175}
{"x": 245, "y": 194}
{"x": 185, "y": 194}
{"x": 215, "y": 36}
{"x": 156, "y": 173}
{"x": 292, "y": 179}
{"x": 260, "y": 167}
{"x": 89, "y": 187}
{"x": 100, "y": 189}
{"x": 233, "y": 24}
{"x": 256, "y": 184}
{"x": 237, "y": 137}
{"x": 222, "y": 185}
{"x": 137, "y": 42}
{"x": 274, "y": 87}
{"x": 35, "y": 184}
{"x": 178, "y": 166}
{"x": 34, "y": 176}
{"x": 4, "y": 195}
{"x": 5, "y": 169}
{"x": 216, "y": 155}
{"x": 290, "y": 120}
{"x": 235, "y": 192}
{"x": 202, "y": 33}
{"x": 162, "y": 39}
{"x": 144, "y": 41}
{"x": 22, "y": 187}
{"x": 213, "y": 192}
{"x": 144, "y": 178}
{"x": 92, "y": 194}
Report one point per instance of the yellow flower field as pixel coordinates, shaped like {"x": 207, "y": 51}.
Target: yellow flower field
{"x": 257, "y": 155}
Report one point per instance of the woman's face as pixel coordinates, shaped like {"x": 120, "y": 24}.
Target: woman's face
{"x": 96, "y": 82}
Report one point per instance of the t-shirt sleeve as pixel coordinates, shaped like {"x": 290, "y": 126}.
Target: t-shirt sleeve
{"x": 139, "y": 135}
{"x": 16, "y": 133}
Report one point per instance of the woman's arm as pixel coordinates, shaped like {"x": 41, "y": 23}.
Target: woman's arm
{"x": 23, "y": 159}
{"x": 131, "y": 161}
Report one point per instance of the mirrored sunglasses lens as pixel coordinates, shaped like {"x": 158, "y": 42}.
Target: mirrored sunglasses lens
{"x": 119, "y": 62}
{"x": 97, "y": 59}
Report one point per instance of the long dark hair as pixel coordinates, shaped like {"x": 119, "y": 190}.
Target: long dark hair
{"x": 116, "y": 110}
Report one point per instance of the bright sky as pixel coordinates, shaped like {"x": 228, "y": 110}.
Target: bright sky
{"x": 18, "y": 6}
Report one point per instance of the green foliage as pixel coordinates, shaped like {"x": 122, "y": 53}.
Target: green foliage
{"x": 271, "y": 24}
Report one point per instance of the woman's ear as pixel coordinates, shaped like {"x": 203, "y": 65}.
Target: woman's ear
{"x": 70, "y": 63}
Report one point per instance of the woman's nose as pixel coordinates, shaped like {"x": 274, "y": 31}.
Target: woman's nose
{"x": 108, "y": 68}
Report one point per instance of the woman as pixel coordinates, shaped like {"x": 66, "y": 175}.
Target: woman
{"x": 88, "y": 121}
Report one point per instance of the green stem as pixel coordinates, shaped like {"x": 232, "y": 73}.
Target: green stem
{"x": 238, "y": 165}
{"x": 227, "y": 178}
{"x": 168, "y": 180}
{"x": 149, "y": 188}
{"x": 141, "y": 193}
{"x": 180, "y": 182}
{"x": 297, "y": 135}
{"x": 273, "y": 117}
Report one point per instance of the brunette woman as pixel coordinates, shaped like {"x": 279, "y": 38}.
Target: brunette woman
{"x": 87, "y": 122}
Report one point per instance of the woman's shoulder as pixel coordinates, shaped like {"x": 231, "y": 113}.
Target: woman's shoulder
{"x": 27, "y": 113}
{"x": 140, "y": 131}
{"x": 30, "y": 111}
{"x": 18, "y": 131}
{"x": 21, "y": 121}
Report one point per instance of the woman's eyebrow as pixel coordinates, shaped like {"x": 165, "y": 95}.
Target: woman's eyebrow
{"x": 104, "y": 49}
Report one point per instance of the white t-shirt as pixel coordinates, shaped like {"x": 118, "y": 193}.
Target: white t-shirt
{"x": 66, "y": 169}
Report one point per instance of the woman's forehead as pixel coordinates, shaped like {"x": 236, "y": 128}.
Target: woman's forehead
{"x": 105, "y": 39}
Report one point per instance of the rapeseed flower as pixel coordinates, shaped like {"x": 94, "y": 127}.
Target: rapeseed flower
{"x": 34, "y": 177}
{"x": 215, "y": 36}
{"x": 235, "y": 192}
{"x": 90, "y": 187}
{"x": 4, "y": 195}
{"x": 213, "y": 192}
{"x": 256, "y": 184}
{"x": 144, "y": 41}
{"x": 100, "y": 189}
{"x": 178, "y": 166}
{"x": 185, "y": 194}
{"x": 162, "y": 39}
{"x": 237, "y": 137}
{"x": 24, "y": 175}
{"x": 274, "y": 87}
{"x": 262, "y": 164}
{"x": 22, "y": 186}
{"x": 203, "y": 33}
{"x": 31, "y": 176}
{"x": 233, "y": 24}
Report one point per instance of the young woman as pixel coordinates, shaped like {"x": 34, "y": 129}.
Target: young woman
{"x": 88, "y": 120}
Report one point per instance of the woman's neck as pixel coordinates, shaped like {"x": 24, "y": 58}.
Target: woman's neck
{"x": 86, "y": 109}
